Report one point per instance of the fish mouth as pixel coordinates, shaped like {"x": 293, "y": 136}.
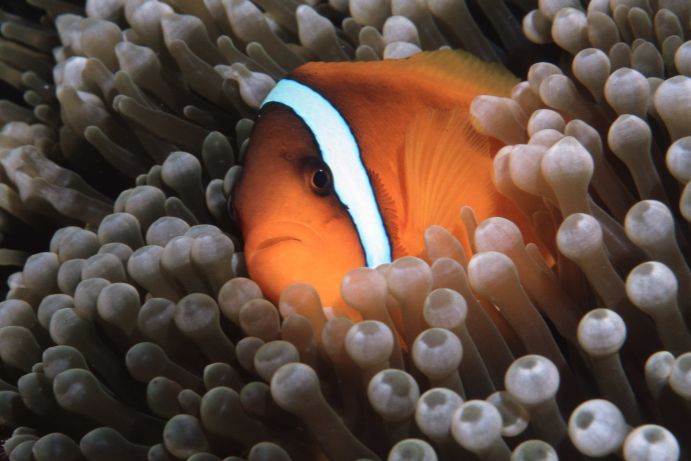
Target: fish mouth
{"x": 272, "y": 233}
{"x": 275, "y": 241}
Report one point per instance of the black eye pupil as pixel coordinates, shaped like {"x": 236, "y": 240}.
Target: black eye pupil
{"x": 320, "y": 179}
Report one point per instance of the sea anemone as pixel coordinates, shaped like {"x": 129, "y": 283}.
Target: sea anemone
{"x": 132, "y": 331}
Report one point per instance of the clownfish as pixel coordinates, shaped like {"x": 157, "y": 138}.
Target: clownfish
{"x": 349, "y": 163}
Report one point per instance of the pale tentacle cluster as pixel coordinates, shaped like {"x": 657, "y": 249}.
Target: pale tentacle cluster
{"x": 594, "y": 153}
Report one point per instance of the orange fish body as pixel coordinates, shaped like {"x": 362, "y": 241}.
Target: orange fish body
{"x": 349, "y": 164}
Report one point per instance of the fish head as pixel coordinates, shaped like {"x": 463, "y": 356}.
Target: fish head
{"x": 295, "y": 229}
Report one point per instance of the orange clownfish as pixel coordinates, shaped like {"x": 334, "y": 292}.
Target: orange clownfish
{"x": 349, "y": 163}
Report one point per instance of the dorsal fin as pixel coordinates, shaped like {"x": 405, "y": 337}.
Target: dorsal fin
{"x": 464, "y": 70}
{"x": 456, "y": 73}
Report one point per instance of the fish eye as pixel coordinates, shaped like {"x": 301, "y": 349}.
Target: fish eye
{"x": 320, "y": 180}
